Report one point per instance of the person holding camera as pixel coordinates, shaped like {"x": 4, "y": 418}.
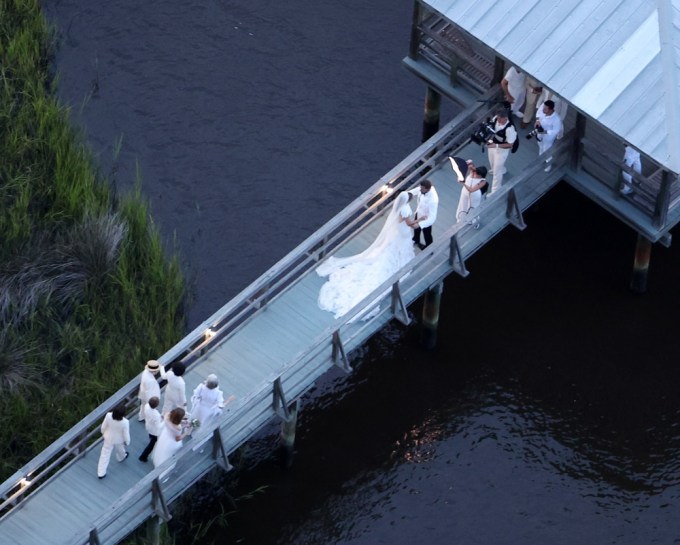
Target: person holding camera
{"x": 548, "y": 126}
{"x": 499, "y": 146}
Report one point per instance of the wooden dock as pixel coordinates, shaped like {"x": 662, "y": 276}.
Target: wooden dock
{"x": 268, "y": 346}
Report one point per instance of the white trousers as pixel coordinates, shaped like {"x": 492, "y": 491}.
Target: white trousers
{"x": 545, "y": 143}
{"x": 105, "y": 456}
{"x": 497, "y": 158}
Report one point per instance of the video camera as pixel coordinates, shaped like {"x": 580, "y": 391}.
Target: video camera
{"x": 485, "y": 131}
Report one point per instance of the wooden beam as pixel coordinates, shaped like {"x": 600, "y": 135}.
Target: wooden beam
{"x": 398, "y": 306}
{"x": 279, "y": 403}
{"x": 219, "y": 453}
{"x": 513, "y": 212}
{"x": 338, "y": 355}
{"x": 160, "y": 508}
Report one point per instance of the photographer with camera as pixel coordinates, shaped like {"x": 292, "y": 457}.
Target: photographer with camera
{"x": 499, "y": 146}
{"x": 548, "y": 126}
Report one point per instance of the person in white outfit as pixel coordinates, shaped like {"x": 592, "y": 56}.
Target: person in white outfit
{"x": 471, "y": 192}
{"x": 171, "y": 436}
{"x": 207, "y": 401}
{"x": 153, "y": 425}
{"x": 175, "y": 391}
{"x": 561, "y": 106}
{"x": 426, "y": 212}
{"x": 116, "y": 431}
{"x": 148, "y": 385}
{"x": 631, "y": 158}
{"x": 513, "y": 84}
{"x": 500, "y": 146}
{"x": 548, "y": 125}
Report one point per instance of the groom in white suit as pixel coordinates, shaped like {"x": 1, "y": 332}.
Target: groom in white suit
{"x": 426, "y": 212}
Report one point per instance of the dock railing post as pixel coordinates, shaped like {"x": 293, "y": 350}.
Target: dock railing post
{"x": 431, "y": 305}
{"x": 643, "y": 252}
{"x": 662, "y": 200}
{"x": 577, "y": 144}
{"x": 414, "y": 45}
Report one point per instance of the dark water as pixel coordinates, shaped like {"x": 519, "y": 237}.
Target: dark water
{"x": 549, "y": 413}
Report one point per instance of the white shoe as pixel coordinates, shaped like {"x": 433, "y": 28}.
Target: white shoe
{"x": 626, "y": 190}
{"x": 548, "y": 168}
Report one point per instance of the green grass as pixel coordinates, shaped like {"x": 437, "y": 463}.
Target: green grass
{"x": 87, "y": 292}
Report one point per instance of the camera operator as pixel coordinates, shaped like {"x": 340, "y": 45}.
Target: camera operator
{"x": 499, "y": 146}
{"x": 548, "y": 126}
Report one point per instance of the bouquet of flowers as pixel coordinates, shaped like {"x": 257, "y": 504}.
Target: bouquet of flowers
{"x": 195, "y": 423}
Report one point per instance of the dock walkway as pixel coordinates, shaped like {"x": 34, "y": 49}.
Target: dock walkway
{"x": 268, "y": 346}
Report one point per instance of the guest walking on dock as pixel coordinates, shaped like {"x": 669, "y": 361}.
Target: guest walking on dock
{"x": 171, "y": 436}
{"x": 426, "y": 212}
{"x": 116, "y": 431}
{"x": 148, "y": 385}
{"x": 153, "y": 425}
{"x": 175, "y": 391}
{"x": 353, "y": 278}
{"x": 207, "y": 401}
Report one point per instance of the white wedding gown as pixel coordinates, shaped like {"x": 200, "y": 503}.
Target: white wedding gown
{"x": 351, "y": 279}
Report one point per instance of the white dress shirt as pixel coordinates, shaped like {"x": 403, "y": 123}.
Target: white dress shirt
{"x": 426, "y": 208}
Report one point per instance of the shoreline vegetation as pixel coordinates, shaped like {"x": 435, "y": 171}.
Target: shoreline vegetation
{"x": 87, "y": 294}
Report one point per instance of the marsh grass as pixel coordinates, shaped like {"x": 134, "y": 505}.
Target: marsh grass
{"x": 87, "y": 292}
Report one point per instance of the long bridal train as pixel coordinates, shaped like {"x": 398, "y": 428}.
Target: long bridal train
{"x": 352, "y": 278}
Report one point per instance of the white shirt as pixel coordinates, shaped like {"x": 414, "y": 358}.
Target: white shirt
{"x": 153, "y": 421}
{"x": 427, "y": 206}
{"x": 516, "y": 82}
{"x": 552, "y": 124}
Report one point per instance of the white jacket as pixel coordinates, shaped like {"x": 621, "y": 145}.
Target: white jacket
{"x": 115, "y": 432}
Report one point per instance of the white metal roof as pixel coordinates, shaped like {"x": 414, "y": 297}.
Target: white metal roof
{"x": 618, "y": 61}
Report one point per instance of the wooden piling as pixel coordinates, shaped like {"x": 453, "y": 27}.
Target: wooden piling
{"x": 643, "y": 252}
{"x": 431, "y": 305}
{"x": 287, "y": 437}
{"x": 433, "y": 101}
{"x": 153, "y": 530}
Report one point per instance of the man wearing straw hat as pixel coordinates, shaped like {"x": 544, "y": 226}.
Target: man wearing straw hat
{"x": 148, "y": 385}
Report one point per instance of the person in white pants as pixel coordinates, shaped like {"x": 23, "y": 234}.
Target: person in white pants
{"x": 549, "y": 125}
{"x": 116, "y": 432}
{"x": 499, "y": 147}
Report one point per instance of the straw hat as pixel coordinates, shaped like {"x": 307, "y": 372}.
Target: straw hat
{"x": 153, "y": 365}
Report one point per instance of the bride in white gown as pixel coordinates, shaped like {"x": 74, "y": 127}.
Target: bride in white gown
{"x": 352, "y": 278}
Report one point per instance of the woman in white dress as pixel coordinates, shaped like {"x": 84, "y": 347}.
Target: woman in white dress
{"x": 170, "y": 439}
{"x": 471, "y": 191}
{"x": 351, "y": 279}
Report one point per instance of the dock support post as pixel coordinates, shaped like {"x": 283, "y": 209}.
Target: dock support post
{"x": 643, "y": 253}
{"x": 287, "y": 436}
{"x": 433, "y": 102}
{"x": 431, "y": 304}
{"x": 153, "y": 531}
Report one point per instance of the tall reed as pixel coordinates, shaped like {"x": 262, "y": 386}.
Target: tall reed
{"x": 87, "y": 293}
